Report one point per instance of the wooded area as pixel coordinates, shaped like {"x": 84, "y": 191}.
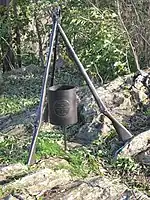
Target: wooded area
{"x": 111, "y": 38}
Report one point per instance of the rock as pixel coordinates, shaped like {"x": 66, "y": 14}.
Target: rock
{"x": 10, "y": 197}
{"x": 87, "y": 133}
{"x": 48, "y": 184}
{"x": 35, "y": 184}
{"x": 144, "y": 157}
{"x": 121, "y": 101}
{"x": 118, "y": 100}
{"x": 12, "y": 171}
{"x": 51, "y": 163}
{"x": 139, "y": 148}
{"x": 138, "y": 144}
{"x": 98, "y": 188}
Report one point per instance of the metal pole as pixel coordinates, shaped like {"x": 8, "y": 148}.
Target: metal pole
{"x": 43, "y": 94}
{"x": 54, "y": 62}
{"x": 123, "y": 133}
{"x": 65, "y": 137}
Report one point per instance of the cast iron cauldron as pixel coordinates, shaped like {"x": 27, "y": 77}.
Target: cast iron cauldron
{"x": 62, "y": 105}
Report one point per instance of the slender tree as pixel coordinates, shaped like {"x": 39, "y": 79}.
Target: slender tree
{"x": 8, "y": 61}
{"x": 17, "y": 33}
{"x": 41, "y": 56}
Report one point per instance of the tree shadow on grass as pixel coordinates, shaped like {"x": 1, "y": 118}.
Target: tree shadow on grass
{"x": 20, "y": 97}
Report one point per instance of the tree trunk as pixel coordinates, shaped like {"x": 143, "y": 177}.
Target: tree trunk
{"x": 8, "y": 59}
{"x": 17, "y": 34}
{"x": 38, "y": 35}
{"x": 6, "y": 43}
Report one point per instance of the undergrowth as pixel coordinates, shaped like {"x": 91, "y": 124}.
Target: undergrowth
{"x": 20, "y": 91}
{"x": 96, "y": 159}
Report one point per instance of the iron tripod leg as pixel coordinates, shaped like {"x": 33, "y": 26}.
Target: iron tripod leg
{"x": 123, "y": 133}
{"x": 31, "y": 158}
{"x": 55, "y": 57}
{"x": 45, "y": 114}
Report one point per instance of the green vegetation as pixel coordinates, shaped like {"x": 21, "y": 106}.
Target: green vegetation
{"x": 83, "y": 161}
{"x": 98, "y": 39}
{"x": 95, "y": 34}
{"x": 48, "y": 146}
{"x": 14, "y": 149}
{"x": 147, "y": 112}
{"x": 102, "y": 46}
{"x": 20, "y": 91}
{"x": 93, "y": 28}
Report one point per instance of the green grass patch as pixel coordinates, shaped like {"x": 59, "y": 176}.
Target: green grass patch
{"x": 147, "y": 113}
{"x": 13, "y": 150}
{"x": 81, "y": 161}
{"x": 46, "y": 148}
{"x": 12, "y": 105}
{"x": 126, "y": 165}
{"x": 21, "y": 91}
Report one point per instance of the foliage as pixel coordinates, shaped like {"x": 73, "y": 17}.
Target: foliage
{"x": 94, "y": 33}
{"x": 48, "y": 147}
{"x": 12, "y": 105}
{"x": 97, "y": 39}
{"x": 126, "y": 165}
{"x": 83, "y": 163}
{"x": 147, "y": 112}
{"x": 25, "y": 22}
{"x": 13, "y": 150}
{"x": 21, "y": 91}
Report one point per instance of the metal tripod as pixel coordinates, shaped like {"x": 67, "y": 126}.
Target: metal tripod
{"x": 123, "y": 133}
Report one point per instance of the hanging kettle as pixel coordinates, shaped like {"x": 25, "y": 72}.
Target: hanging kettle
{"x": 62, "y": 105}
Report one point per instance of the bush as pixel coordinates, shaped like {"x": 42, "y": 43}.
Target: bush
{"x": 97, "y": 38}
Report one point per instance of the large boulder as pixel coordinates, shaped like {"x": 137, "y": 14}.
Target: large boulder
{"x": 49, "y": 184}
{"x": 123, "y": 100}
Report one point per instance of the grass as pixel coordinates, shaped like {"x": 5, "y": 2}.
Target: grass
{"x": 95, "y": 159}
{"x": 83, "y": 161}
{"x": 147, "y": 113}
{"x": 22, "y": 92}
{"x": 13, "y": 150}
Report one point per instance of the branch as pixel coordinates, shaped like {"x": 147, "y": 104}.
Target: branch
{"x": 129, "y": 39}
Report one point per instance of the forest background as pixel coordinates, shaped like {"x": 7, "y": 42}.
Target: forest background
{"x": 110, "y": 37}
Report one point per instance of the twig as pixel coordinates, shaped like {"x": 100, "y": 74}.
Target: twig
{"x": 129, "y": 39}
{"x": 127, "y": 61}
{"x": 102, "y": 82}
